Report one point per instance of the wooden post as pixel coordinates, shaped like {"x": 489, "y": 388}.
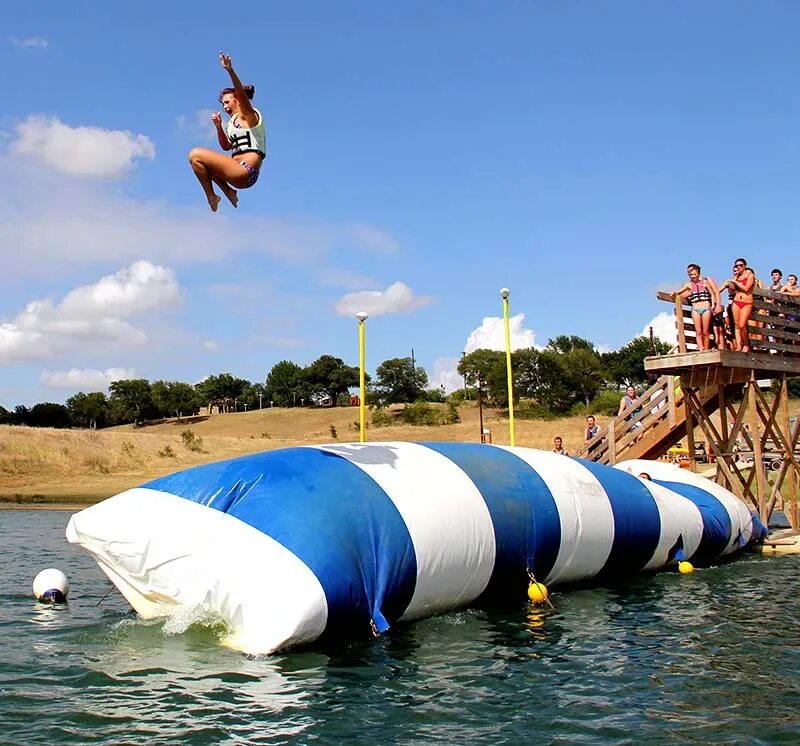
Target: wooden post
{"x": 680, "y": 324}
{"x": 612, "y": 442}
{"x": 751, "y": 417}
{"x": 671, "y": 401}
{"x": 687, "y": 403}
{"x": 724, "y": 434}
{"x": 785, "y": 425}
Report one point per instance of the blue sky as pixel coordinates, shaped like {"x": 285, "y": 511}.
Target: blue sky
{"x": 580, "y": 154}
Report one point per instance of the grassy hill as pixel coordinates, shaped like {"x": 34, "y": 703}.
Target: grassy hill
{"x": 80, "y": 466}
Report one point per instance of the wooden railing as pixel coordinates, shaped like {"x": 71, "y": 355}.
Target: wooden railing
{"x": 774, "y": 326}
{"x": 658, "y": 407}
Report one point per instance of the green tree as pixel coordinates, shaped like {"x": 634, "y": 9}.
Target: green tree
{"x": 487, "y": 367}
{"x": 21, "y": 415}
{"x": 249, "y": 399}
{"x": 221, "y": 387}
{"x": 286, "y": 385}
{"x": 88, "y": 410}
{"x": 399, "y": 381}
{"x": 328, "y": 375}
{"x": 49, "y": 414}
{"x": 175, "y": 399}
{"x": 625, "y": 366}
{"x": 567, "y": 343}
{"x": 131, "y": 401}
{"x": 584, "y": 374}
{"x": 6, "y": 417}
{"x": 558, "y": 380}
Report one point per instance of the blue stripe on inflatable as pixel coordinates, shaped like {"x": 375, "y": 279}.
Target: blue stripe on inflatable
{"x": 526, "y": 524}
{"x": 326, "y": 511}
{"x": 637, "y": 523}
{"x": 716, "y": 521}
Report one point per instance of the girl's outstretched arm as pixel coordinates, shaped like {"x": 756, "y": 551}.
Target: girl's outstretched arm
{"x": 246, "y": 109}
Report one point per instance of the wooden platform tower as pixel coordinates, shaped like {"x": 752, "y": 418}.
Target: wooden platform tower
{"x": 738, "y": 400}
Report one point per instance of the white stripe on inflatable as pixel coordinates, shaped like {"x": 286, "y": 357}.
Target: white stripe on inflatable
{"x": 587, "y": 522}
{"x": 741, "y": 519}
{"x": 167, "y": 553}
{"x": 446, "y": 517}
{"x": 680, "y": 518}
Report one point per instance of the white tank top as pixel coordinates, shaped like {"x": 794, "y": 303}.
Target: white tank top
{"x": 248, "y": 139}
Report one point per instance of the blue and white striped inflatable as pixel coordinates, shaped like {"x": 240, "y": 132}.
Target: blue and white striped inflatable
{"x": 289, "y": 544}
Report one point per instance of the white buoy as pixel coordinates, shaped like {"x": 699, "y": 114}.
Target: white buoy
{"x": 51, "y": 586}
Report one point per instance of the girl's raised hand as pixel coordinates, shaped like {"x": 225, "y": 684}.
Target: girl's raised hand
{"x": 225, "y": 60}
{"x": 216, "y": 118}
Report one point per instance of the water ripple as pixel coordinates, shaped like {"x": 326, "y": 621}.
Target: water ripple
{"x": 669, "y": 659}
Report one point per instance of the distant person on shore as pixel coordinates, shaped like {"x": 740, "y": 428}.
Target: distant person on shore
{"x": 741, "y": 285}
{"x": 591, "y": 429}
{"x": 703, "y": 295}
{"x": 558, "y": 446}
{"x": 625, "y": 404}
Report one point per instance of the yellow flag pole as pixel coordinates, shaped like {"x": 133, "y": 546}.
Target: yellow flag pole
{"x": 504, "y": 293}
{"x": 362, "y": 412}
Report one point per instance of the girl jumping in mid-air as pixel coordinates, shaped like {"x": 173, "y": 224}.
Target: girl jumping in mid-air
{"x": 244, "y": 136}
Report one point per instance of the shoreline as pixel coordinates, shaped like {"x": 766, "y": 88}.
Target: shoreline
{"x": 74, "y": 507}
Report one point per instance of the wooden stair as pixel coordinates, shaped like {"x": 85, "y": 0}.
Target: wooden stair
{"x": 650, "y": 433}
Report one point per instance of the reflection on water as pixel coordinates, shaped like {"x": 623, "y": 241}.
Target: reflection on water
{"x": 710, "y": 656}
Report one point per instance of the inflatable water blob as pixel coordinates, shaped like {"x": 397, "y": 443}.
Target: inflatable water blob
{"x": 291, "y": 544}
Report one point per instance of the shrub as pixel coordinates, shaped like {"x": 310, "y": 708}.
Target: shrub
{"x": 332, "y": 428}
{"x": 422, "y": 413}
{"x": 266, "y": 435}
{"x": 127, "y": 448}
{"x": 606, "y": 403}
{"x": 452, "y": 416}
{"x": 380, "y": 418}
{"x": 167, "y": 452}
{"x": 531, "y": 410}
{"x": 191, "y": 441}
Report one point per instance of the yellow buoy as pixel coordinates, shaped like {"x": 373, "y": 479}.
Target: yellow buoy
{"x": 684, "y": 568}
{"x": 537, "y": 593}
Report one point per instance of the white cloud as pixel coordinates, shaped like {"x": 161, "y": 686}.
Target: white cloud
{"x": 90, "y": 152}
{"x": 89, "y": 315}
{"x": 445, "y": 374}
{"x": 197, "y": 125}
{"x": 210, "y": 345}
{"x": 52, "y": 220}
{"x": 397, "y": 298}
{"x": 88, "y": 379}
{"x": 30, "y": 42}
{"x": 663, "y": 327}
{"x": 490, "y": 335}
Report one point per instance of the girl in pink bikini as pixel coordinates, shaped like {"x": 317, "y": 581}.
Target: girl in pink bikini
{"x": 742, "y": 284}
{"x": 703, "y": 295}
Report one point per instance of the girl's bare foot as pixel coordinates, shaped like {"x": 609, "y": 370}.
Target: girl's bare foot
{"x": 213, "y": 202}
{"x": 232, "y": 196}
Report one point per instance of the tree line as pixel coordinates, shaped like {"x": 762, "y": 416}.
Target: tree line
{"x": 569, "y": 372}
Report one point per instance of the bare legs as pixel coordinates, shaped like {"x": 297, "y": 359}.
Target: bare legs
{"x": 702, "y": 328}
{"x": 213, "y": 168}
{"x": 741, "y": 315}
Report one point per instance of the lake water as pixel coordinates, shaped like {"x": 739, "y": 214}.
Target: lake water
{"x": 709, "y": 657}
